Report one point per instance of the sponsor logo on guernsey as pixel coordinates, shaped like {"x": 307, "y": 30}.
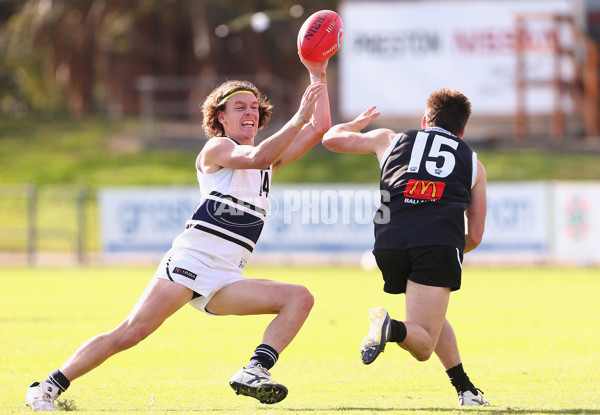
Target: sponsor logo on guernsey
{"x": 424, "y": 189}
{"x": 185, "y": 273}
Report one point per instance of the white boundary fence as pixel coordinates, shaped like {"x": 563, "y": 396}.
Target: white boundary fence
{"x": 531, "y": 222}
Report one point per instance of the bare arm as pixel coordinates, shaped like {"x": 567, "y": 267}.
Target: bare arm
{"x": 313, "y": 131}
{"x": 475, "y": 214}
{"x": 219, "y": 152}
{"x": 347, "y": 137}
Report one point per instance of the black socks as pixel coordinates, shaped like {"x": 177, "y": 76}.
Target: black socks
{"x": 460, "y": 380}
{"x": 397, "y": 331}
{"x": 265, "y": 356}
{"x": 59, "y": 380}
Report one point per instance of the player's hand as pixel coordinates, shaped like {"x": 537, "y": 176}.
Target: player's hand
{"x": 314, "y": 67}
{"x": 364, "y": 118}
{"x": 309, "y": 100}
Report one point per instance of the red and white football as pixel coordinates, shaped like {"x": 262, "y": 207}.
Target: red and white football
{"x": 320, "y": 36}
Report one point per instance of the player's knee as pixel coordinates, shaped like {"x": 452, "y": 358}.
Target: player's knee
{"x": 303, "y": 299}
{"x": 131, "y": 335}
{"x": 422, "y": 355}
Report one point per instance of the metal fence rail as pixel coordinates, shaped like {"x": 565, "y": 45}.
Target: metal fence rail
{"x": 52, "y": 218}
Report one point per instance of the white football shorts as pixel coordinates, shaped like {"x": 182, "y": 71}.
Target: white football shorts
{"x": 188, "y": 269}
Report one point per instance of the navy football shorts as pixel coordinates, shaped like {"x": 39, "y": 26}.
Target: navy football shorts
{"x": 437, "y": 265}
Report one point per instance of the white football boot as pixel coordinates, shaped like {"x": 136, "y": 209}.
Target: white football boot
{"x": 41, "y": 396}
{"x": 256, "y": 382}
{"x": 468, "y": 398}
{"x": 379, "y": 331}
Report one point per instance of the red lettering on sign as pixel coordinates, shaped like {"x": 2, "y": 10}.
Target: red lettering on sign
{"x": 499, "y": 40}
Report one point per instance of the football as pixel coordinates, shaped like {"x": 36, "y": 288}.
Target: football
{"x": 320, "y": 36}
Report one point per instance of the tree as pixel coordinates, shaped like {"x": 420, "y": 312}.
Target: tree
{"x": 88, "y": 54}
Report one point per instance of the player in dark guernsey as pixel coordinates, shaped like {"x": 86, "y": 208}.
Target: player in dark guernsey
{"x": 426, "y": 205}
{"x": 433, "y": 208}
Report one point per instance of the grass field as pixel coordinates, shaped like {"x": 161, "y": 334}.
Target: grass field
{"x": 529, "y": 338}
{"x": 78, "y": 152}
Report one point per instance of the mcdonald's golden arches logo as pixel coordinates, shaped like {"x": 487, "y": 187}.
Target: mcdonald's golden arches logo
{"x": 424, "y": 189}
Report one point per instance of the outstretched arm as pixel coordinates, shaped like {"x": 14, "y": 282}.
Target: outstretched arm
{"x": 347, "y": 137}
{"x": 220, "y": 152}
{"x": 313, "y": 131}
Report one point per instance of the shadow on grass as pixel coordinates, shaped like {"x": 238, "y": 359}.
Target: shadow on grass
{"x": 372, "y": 410}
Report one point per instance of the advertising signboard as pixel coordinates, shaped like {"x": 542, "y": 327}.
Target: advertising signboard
{"x": 394, "y": 54}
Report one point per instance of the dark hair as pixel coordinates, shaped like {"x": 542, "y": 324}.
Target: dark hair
{"x": 449, "y": 109}
{"x": 210, "y": 108}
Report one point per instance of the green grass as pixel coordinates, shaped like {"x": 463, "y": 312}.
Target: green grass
{"x": 61, "y": 151}
{"x": 55, "y": 151}
{"x": 76, "y": 153}
{"x": 528, "y": 338}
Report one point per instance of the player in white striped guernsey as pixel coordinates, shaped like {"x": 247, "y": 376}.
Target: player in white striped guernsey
{"x": 231, "y": 214}
{"x": 204, "y": 265}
